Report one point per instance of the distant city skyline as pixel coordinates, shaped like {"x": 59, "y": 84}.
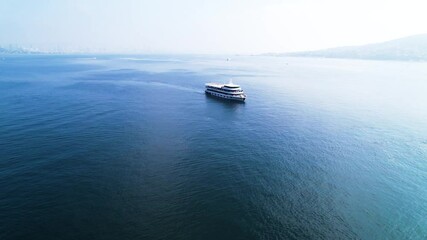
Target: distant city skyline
{"x": 197, "y": 26}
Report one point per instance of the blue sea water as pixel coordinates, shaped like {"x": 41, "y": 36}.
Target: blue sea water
{"x": 130, "y": 147}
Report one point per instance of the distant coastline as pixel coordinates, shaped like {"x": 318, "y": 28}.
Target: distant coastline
{"x": 413, "y": 48}
{"x": 19, "y": 50}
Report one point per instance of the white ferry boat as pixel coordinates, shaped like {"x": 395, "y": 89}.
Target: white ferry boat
{"x": 228, "y": 91}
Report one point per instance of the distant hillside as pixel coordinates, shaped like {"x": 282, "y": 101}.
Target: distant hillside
{"x": 413, "y": 48}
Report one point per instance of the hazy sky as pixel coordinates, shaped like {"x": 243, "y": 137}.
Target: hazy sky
{"x": 201, "y": 26}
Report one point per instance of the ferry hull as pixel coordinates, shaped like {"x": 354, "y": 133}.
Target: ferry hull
{"x": 225, "y": 96}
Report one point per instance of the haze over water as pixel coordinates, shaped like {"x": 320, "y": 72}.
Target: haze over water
{"x": 129, "y": 147}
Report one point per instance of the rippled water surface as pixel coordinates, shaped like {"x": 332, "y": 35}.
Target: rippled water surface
{"x": 129, "y": 147}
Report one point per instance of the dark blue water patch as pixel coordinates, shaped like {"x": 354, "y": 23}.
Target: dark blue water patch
{"x": 47, "y": 65}
{"x": 132, "y": 74}
{"x": 116, "y": 152}
{"x": 10, "y": 85}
